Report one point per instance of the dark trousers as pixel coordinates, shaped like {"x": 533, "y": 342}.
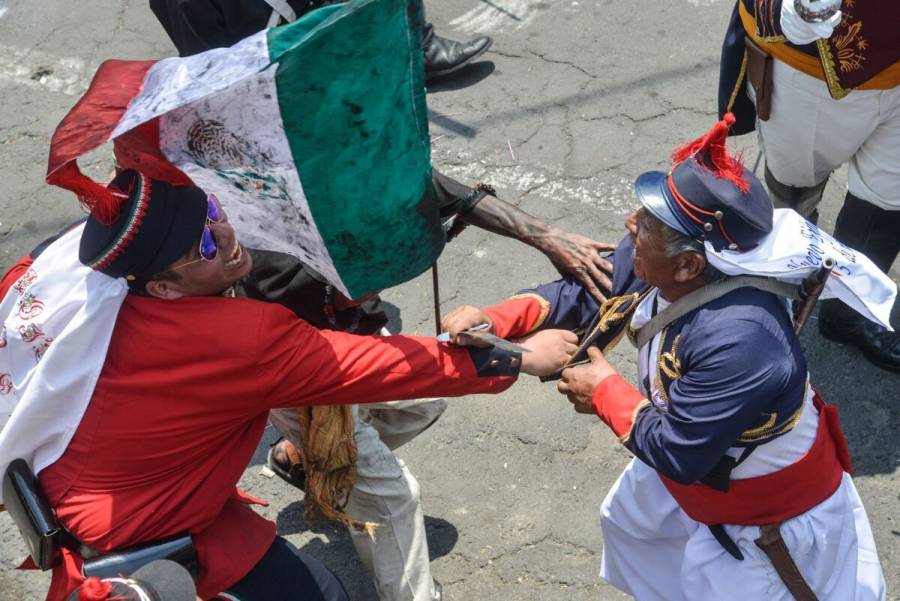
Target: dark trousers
{"x": 286, "y": 574}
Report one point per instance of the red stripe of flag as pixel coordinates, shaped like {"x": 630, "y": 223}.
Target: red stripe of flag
{"x": 95, "y": 116}
{"x": 89, "y": 125}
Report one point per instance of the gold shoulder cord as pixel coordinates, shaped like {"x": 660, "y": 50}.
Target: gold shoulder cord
{"x": 831, "y": 77}
{"x": 739, "y": 84}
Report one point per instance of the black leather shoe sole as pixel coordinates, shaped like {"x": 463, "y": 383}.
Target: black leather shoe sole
{"x": 435, "y": 75}
{"x": 293, "y": 475}
{"x": 834, "y": 334}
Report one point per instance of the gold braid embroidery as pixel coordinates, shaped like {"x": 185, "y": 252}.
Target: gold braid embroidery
{"x": 609, "y": 311}
{"x": 665, "y": 359}
{"x": 659, "y": 364}
{"x": 761, "y": 430}
{"x": 831, "y": 77}
{"x": 610, "y": 315}
{"x": 630, "y": 331}
{"x": 770, "y": 430}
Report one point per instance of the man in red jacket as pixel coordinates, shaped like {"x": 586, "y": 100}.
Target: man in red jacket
{"x": 138, "y": 388}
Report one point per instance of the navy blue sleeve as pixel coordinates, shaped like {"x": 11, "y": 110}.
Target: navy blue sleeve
{"x": 571, "y": 306}
{"x": 730, "y": 373}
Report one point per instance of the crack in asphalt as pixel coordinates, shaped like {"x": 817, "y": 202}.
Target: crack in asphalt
{"x": 506, "y": 54}
{"x": 554, "y": 61}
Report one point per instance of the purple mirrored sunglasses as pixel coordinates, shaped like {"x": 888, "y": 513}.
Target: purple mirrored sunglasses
{"x": 208, "y": 248}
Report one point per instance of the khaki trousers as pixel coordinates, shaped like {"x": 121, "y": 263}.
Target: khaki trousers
{"x": 387, "y": 493}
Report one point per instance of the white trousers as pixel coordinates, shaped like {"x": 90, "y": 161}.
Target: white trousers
{"x": 655, "y": 552}
{"x": 386, "y": 493}
{"x": 810, "y": 134}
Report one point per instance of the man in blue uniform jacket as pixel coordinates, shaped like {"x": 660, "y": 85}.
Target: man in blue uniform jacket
{"x": 740, "y": 487}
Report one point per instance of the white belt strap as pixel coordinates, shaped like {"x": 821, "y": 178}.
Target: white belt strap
{"x": 708, "y": 293}
{"x": 280, "y": 10}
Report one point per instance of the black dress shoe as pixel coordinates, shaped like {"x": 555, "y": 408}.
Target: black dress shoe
{"x": 872, "y": 231}
{"x": 443, "y": 56}
{"x": 841, "y": 324}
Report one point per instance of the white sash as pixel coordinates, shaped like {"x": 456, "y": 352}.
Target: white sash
{"x": 56, "y": 322}
{"x": 796, "y": 248}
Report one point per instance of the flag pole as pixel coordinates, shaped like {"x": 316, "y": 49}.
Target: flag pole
{"x": 435, "y": 286}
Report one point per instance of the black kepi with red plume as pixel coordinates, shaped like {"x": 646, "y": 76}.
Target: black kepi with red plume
{"x": 154, "y": 224}
{"x": 708, "y": 194}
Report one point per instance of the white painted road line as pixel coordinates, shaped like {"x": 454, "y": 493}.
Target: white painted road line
{"x": 610, "y": 193}
{"x": 492, "y": 16}
{"x": 42, "y": 71}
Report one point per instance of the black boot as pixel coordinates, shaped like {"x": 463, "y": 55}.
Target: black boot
{"x": 443, "y": 56}
{"x": 875, "y": 232}
{"x": 804, "y": 200}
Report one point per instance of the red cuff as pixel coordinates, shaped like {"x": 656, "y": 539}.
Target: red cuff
{"x": 518, "y": 315}
{"x": 618, "y": 403}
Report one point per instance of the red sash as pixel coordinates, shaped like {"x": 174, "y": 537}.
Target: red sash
{"x": 778, "y": 496}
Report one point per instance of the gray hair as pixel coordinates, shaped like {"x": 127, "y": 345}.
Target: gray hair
{"x": 678, "y": 243}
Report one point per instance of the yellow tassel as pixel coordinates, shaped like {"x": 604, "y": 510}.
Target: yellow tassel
{"x": 328, "y": 450}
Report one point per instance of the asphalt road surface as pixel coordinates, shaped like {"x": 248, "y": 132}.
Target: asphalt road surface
{"x": 572, "y": 102}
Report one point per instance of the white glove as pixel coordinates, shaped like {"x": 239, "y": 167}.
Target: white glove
{"x": 800, "y": 32}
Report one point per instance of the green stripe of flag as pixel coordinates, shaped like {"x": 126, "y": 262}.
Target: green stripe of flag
{"x": 352, "y": 99}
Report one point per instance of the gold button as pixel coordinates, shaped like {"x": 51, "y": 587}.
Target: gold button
{"x": 495, "y": 362}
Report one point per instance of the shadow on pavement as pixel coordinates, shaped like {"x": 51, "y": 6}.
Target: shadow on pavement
{"x": 845, "y": 378}
{"x": 335, "y": 549}
{"x": 465, "y": 77}
{"x": 395, "y": 320}
{"x": 442, "y": 537}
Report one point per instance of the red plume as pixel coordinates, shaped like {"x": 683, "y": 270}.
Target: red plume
{"x": 94, "y": 589}
{"x": 716, "y": 157}
{"x": 102, "y": 202}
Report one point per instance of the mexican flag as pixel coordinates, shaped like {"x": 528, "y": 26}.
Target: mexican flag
{"x": 312, "y": 135}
